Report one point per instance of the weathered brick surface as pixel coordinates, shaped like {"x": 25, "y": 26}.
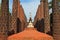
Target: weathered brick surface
{"x": 11, "y": 24}
{"x": 18, "y": 17}
{"x": 4, "y": 19}
{"x": 42, "y": 16}
{"x": 56, "y": 20}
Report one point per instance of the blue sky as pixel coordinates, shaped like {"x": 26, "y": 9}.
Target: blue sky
{"x": 28, "y": 6}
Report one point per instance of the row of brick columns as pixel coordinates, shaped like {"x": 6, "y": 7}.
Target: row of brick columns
{"x": 43, "y": 13}
{"x": 8, "y": 22}
{"x": 5, "y": 16}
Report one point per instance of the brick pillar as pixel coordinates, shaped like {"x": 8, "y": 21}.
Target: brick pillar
{"x": 4, "y": 19}
{"x": 43, "y": 17}
{"x": 56, "y": 21}
{"x": 46, "y": 16}
{"x": 14, "y": 15}
{"x": 39, "y": 19}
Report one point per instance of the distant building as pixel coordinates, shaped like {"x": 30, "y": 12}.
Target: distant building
{"x": 30, "y": 33}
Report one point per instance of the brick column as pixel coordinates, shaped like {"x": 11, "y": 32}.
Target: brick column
{"x": 46, "y": 16}
{"x": 4, "y": 19}
{"x": 56, "y": 21}
{"x": 14, "y": 15}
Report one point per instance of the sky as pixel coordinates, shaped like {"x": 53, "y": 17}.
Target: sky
{"x": 29, "y": 6}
